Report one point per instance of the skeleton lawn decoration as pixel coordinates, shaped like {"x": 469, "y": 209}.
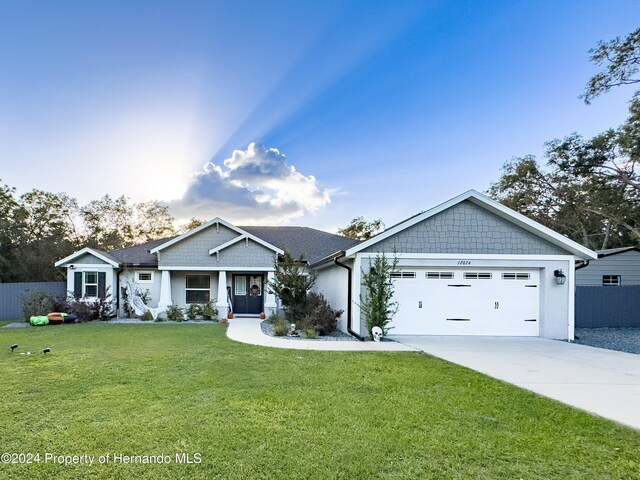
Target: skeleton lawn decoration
{"x": 292, "y": 331}
{"x": 377, "y": 334}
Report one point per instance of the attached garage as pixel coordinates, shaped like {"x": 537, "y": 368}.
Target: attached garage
{"x": 448, "y": 301}
{"x": 469, "y": 266}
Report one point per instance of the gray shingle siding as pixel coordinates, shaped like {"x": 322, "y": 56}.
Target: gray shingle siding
{"x": 89, "y": 259}
{"x": 466, "y": 229}
{"x": 194, "y": 251}
{"x": 241, "y": 255}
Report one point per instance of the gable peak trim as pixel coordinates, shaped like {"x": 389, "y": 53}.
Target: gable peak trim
{"x": 492, "y": 206}
{"x": 217, "y": 221}
{"x": 86, "y": 250}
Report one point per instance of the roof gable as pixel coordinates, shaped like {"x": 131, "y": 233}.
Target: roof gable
{"x": 216, "y": 222}
{"x": 491, "y": 206}
{"x": 104, "y": 257}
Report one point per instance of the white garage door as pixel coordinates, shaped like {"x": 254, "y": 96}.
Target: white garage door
{"x": 453, "y": 301}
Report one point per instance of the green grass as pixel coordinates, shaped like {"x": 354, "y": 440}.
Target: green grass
{"x": 253, "y": 412}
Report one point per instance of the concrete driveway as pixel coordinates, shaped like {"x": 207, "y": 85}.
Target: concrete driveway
{"x": 603, "y": 382}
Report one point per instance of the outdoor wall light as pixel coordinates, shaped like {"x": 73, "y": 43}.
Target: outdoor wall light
{"x": 560, "y": 277}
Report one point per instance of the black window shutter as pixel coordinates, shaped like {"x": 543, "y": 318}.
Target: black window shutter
{"x": 77, "y": 285}
{"x": 102, "y": 280}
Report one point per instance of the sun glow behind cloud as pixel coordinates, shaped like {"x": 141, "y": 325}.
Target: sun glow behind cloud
{"x": 256, "y": 185}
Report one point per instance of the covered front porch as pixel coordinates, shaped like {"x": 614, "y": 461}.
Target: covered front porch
{"x": 241, "y": 291}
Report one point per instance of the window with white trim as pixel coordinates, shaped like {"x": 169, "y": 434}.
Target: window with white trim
{"x": 144, "y": 277}
{"x": 90, "y": 285}
{"x": 516, "y": 276}
{"x": 198, "y": 288}
{"x": 402, "y": 275}
{"x": 438, "y": 275}
{"x": 611, "y": 280}
{"x": 477, "y": 275}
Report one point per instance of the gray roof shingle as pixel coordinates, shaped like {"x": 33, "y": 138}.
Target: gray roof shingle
{"x": 313, "y": 244}
{"x": 138, "y": 255}
{"x": 614, "y": 251}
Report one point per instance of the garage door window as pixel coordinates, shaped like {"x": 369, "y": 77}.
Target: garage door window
{"x": 403, "y": 275}
{"x": 516, "y": 276}
{"x": 477, "y": 275}
{"x": 439, "y": 275}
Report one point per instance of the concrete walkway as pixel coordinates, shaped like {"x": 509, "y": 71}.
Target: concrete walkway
{"x": 247, "y": 330}
{"x": 603, "y": 382}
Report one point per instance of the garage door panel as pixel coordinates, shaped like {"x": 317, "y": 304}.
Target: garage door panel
{"x": 483, "y": 302}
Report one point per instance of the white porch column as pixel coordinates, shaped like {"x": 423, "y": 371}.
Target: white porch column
{"x": 165, "y": 289}
{"x": 270, "y": 305}
{"x": 221, "y": 301}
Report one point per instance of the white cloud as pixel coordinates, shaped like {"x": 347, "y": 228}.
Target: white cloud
{"x": 255, "y": 185}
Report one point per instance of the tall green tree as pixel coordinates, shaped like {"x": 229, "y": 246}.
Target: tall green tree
{"x": 620, "y": 59}
{"x": 292, "y": 285}
{"x": 377, "y": 305}
{"x": 191, "y": 224}
{"x": 36, "y": 229}
{"x": 153, "y": 221}
{"x": 587, "y": 188}
{"x": 360, "y": 229}
{"x": 9, "y": 233}
{"x": 593, "y": 213}
{"x": 113, "y": 223}
{"x": 612, "y": 156}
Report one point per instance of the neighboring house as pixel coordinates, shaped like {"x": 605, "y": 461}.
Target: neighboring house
{"x": 608, "y": 289}
{"x": 469, "y": 266}
{"x": 614, "y": 267}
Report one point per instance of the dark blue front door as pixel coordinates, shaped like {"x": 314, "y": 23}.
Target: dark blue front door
{"x": 247, "y": 294}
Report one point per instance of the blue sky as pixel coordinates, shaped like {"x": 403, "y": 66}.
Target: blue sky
{"x": 300, "y": 112}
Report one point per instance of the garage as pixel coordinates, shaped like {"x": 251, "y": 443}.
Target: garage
{"x": 467, "y": 301}
{"x": 468, "y": 266}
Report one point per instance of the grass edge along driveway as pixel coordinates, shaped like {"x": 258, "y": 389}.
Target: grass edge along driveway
{"x": 186, "y": 393}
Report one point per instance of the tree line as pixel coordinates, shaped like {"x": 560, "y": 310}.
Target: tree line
{"x": 38, "y": 228}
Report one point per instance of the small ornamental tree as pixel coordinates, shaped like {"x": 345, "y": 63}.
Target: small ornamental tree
{"x": 291, "y": 286}
{"x": 378, "y": 305}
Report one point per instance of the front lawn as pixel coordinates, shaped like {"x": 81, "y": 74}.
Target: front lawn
{"x": 253, "y": 412}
